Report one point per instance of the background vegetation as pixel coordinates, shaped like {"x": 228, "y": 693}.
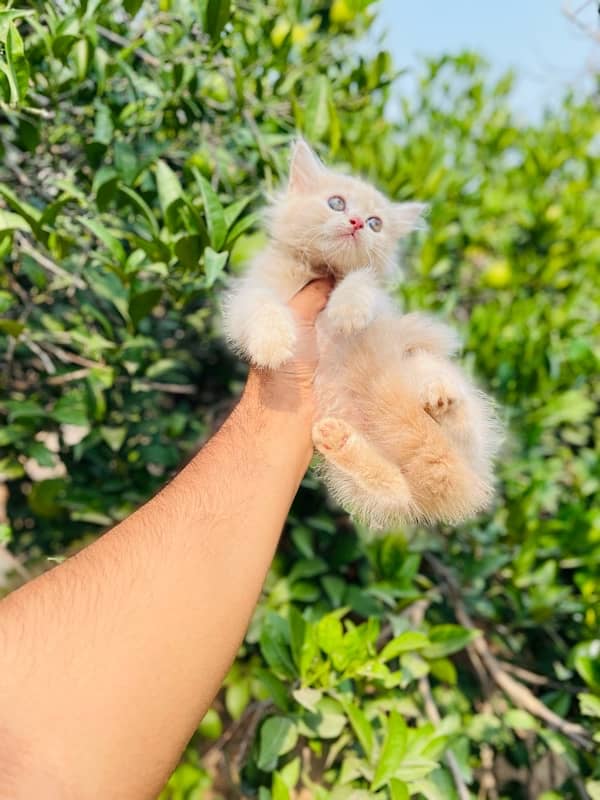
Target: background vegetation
{"x": 136, "y": 139}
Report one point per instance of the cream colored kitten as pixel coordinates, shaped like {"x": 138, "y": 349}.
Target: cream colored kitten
{"x": 405, "y": 435}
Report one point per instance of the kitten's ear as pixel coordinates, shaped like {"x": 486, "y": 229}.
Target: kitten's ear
{"x": 305, "y": 168}
{"x": 409, "y": 217}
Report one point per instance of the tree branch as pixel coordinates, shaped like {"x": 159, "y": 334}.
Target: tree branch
{"x": 520, "y": 695}
{"x": 116, "y": 38}
{"x": 47, "y": 263}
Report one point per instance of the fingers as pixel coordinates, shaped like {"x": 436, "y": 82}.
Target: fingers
{"x": 311, "y": 299}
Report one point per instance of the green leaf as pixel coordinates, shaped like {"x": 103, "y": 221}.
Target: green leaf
{"x": 520, "y": 720}
{"x": 405, "y": 642}
{"x": 298, "y": 628}
{"x": 233, "y": 211}
{"x": 11, "y": 327}
{"x": 444, "y": 670}
{"x": 274, "y": 644}
{"x": 392, "y": 753}
{"x": 276, "y": 689}
{"x": 278, "y": 735}
{"x": 214, "y": 264}
{"x": 103, "y": 130}
{"x": 5, "y": 534}
{"x": 589, "y": 704}
{"x": 446, "y": 639}
{"x": 279, "y": 789}
{"x": 43, "y": 456}
{"x": 106, "y": 237}
{"x": 141, "y": 304}
{"x": 213, "y": 212}
{"x": 169, "y": 188}
{"x": 113, "y": 436}
{"x": 7, "y": 16}
{"x": 398, "y": 790}
{"x": 71, "y": 408}
{"x": 412, "y": 769}
{"x": 237, "y": 697}
{"x": 24, "y": 409}
{"x": 211, "y": 726}
{"x": 589, "y": 669}
{"x": 10, "y": 469}
{"x": 361, "y": 727}
{"x": 242, "y": 225}
{"x": 330, "y": 634}
{"x": 317, "y": 108}
{"x": 18, "y": 68}
{"x": 132, "y": 6}
{"x": 307, "y": 697}
{"x": 216, "y": 15}
{"x": 12, "y": 222}
{"x": 593, "y": 789}
{"x": 139, "y": 202}
{"x": 30, "y": 213}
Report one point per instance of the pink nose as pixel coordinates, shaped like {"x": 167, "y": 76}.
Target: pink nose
{"x": 357, "y": 223}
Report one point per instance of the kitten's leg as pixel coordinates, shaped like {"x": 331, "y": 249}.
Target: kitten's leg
{"x": 354, "y": 301}
{"x": 438, "y": 383}
{"x": 260, "y": 326}
{"x": 446, "y": 396}
{"x": 348, "y": 450}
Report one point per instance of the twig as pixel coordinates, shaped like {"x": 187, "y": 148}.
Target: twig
{"x": 417, "y": 613}
{"x": 14, "y": 563}
{"x": 434, "y": 715}
{"x": 67, "y": 377}
{"x": 573, "y": 16}
{"x": 38, "y": 112}
{"x": 169, "y": 388}
{"x": 116, "y": 38}
{"x": 46, "y": 263}
{"x": 520, "y": 695}
{"x": 246, "y": 727}
{"x": 535, "y": 679}
{"x": 488, "y": 789}
{"x": 71, "y": 358}
{"x": 46, "y": 361}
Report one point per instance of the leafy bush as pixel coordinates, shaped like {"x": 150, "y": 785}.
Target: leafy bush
{"x": 135, "y": 142}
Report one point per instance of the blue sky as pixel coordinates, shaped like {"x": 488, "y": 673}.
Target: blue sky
{"x": 533, "y": 36}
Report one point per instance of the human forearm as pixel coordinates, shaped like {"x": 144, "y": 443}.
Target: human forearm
{"x": 125, "y": 645}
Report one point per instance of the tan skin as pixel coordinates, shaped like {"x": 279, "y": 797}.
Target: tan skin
{"x": 109, "y": 661}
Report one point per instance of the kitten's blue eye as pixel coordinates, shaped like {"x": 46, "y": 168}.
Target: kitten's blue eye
{"x": 375, "y": 224}
{"x": 336, "y": 203}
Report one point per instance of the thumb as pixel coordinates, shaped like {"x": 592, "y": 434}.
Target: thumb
{"x": 311, "y": 299}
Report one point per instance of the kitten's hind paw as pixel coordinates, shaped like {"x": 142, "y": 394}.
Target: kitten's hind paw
{"x": 439, "y": 398}
{"x": 330, "y": 434}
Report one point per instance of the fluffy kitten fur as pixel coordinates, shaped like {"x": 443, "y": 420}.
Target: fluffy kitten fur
{"x": 405, "y": 435}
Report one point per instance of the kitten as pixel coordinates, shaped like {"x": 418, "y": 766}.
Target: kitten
{"x": 405, "y": 435}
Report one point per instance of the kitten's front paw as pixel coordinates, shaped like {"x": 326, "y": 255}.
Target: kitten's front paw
{"x": 330, "y": 434}
{"x": 272, "y": 338}
{"x": 349, "y": 316}
{"x": 438, "y": 399}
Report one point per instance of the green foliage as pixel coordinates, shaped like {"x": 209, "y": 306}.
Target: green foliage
{"x": 135, "y": 143}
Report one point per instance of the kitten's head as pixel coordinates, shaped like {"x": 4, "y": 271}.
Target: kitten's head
{"x": 336, "y": 222}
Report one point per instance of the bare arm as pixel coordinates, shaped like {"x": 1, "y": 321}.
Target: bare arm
{"x": 109, "y": 661}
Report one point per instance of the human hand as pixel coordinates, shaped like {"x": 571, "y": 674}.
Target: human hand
{"x": 291, "y": 386}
